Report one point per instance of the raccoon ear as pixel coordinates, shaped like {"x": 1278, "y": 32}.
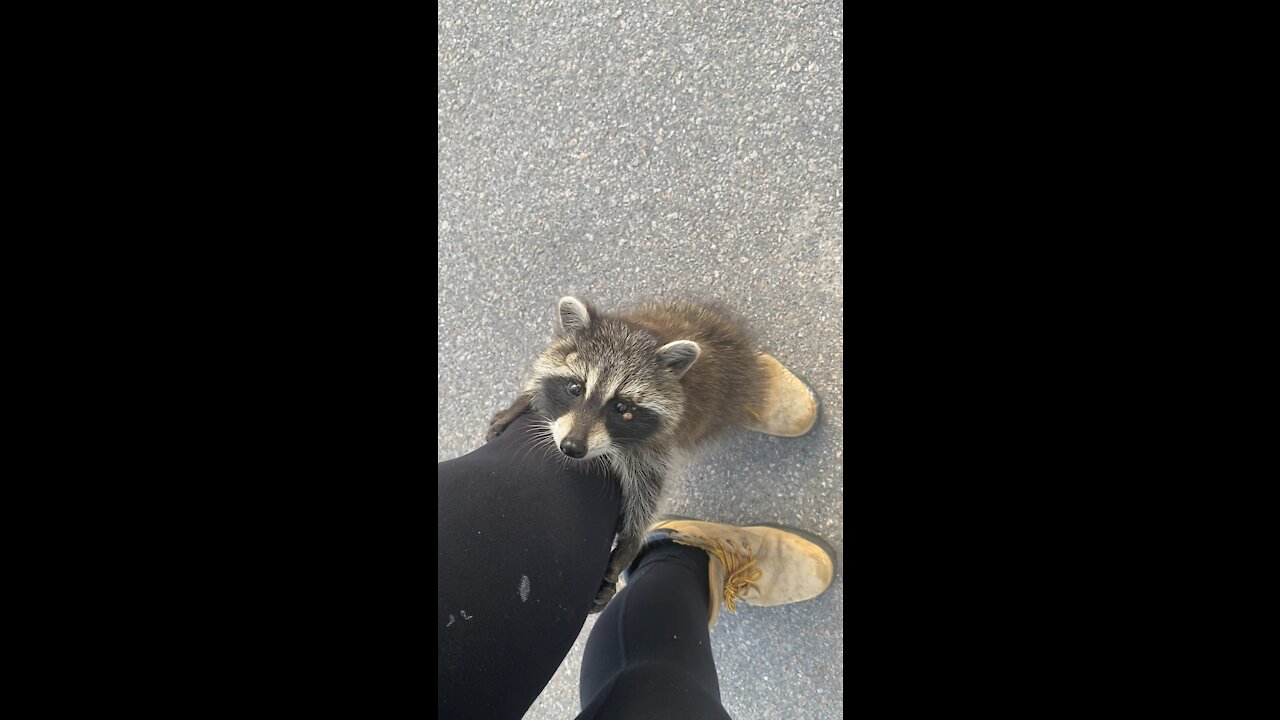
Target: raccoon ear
{"x": 679, "y": 356}
{"x": 574, "y": 315}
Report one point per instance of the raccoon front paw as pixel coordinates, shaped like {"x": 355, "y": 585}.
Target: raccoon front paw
{"x": 497, "y": 426}
{"x": 607, "y": 591}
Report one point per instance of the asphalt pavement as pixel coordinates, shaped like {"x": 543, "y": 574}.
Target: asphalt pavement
{"x": 626, "y": 151}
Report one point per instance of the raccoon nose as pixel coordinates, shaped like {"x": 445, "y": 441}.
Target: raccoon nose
{"x": 573, "y": 448}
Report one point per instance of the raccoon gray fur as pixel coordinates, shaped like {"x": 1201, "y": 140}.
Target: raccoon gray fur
{"x": 639, "y": 391}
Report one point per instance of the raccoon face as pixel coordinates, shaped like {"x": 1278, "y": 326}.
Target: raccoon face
{"x": 588, "y": 420}
{"x": 608, "y": 386}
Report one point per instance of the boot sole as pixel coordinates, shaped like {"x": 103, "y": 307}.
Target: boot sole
{"x": 816, "y": 540}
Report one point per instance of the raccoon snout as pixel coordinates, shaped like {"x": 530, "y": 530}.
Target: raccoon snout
{"x": 574, "y": 448}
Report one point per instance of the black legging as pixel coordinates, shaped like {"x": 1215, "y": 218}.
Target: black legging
{"x": 524, "y": 541}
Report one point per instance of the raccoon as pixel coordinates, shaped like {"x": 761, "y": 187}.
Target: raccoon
{"x": 639, "y": 392}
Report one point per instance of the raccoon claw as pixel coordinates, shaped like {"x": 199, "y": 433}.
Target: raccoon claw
{"x": 607, "y": 591}
{"x": 496, "y": 428}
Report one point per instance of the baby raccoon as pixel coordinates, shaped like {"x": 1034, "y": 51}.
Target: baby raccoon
{"x": 638, "y": 391}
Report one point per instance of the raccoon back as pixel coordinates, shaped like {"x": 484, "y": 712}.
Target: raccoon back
{"x": 726, "y": 382}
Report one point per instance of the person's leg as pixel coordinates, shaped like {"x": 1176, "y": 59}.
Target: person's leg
{"x": 649, "y": 655}
{"x": 524, "y": 542}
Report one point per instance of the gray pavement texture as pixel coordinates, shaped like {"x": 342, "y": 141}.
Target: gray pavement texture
{"x": 629, "y": 151}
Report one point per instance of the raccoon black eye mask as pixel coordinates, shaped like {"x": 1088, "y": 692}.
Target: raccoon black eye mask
{"x": 639, "y": 392}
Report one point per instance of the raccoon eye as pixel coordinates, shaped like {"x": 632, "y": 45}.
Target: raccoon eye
{"x": 619, "y": 407}
{"x": 574, "y": 389}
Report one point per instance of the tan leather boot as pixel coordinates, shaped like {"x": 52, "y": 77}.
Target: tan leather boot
{"x": 762, "y": 564}
{"x": 790, "y": 407}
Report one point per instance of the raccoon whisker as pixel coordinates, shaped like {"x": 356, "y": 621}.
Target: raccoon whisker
{"x": 529, "y": 442}
{"x": 598, "y": 465}
{"x": 606, "y": 467}
{"x": 528, "y": 436}
{"x": 544, "y": 441}
{"x": 530, "y": 446}
{"x": 533, "y": 438}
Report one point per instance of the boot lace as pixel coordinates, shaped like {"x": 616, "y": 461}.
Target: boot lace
{"x": 740, "y": 571}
